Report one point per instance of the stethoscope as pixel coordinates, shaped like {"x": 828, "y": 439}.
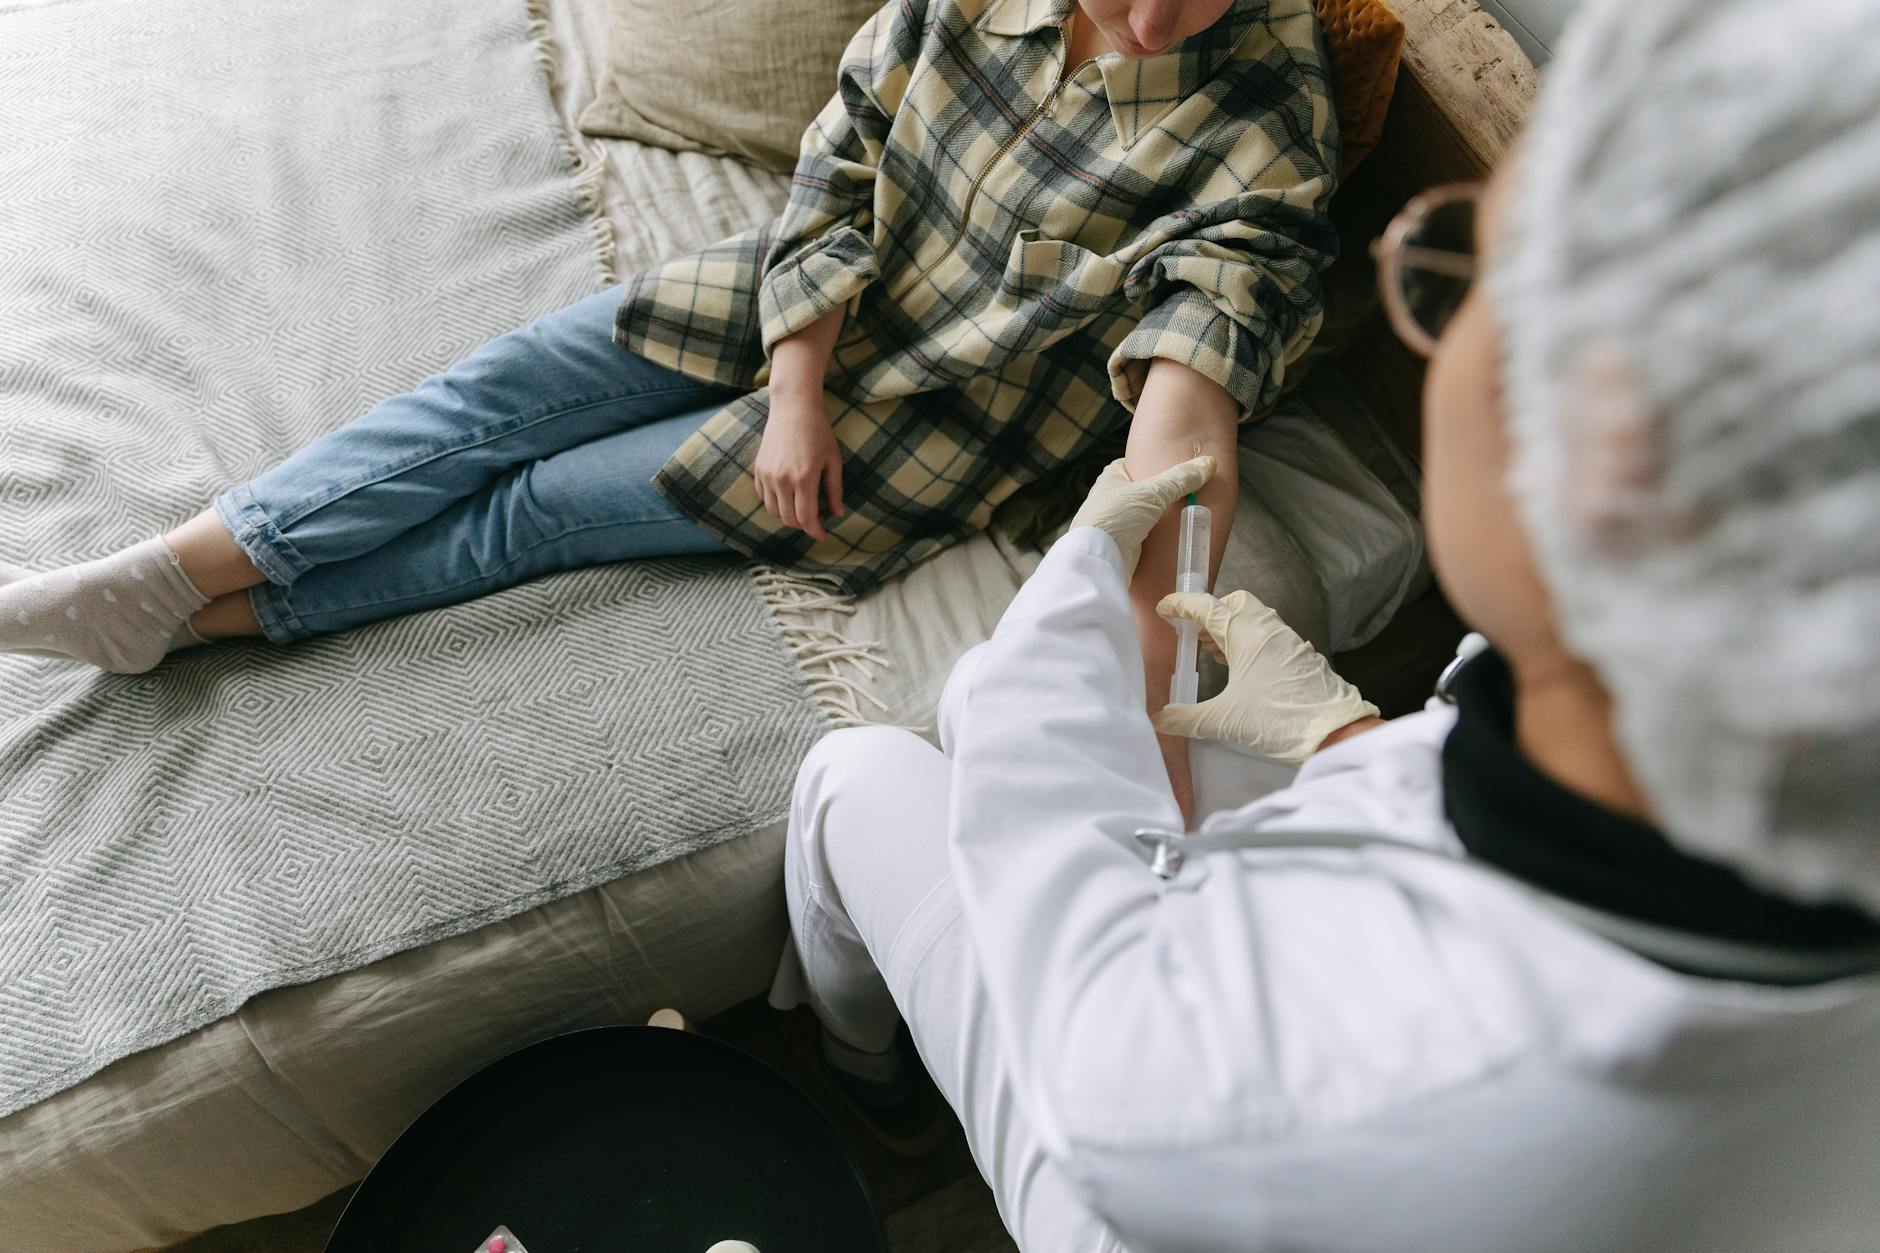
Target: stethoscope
{"x": 1167, "y": 852}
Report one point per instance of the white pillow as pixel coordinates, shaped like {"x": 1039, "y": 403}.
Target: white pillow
{"x": 1363, "y": 545}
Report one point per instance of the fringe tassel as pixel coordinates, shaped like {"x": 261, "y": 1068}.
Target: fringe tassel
{"x": 834, "y": 667}
{"x": 587, "y": 161}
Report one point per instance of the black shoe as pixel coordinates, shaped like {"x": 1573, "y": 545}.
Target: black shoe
{"x": 905, "y": 1114}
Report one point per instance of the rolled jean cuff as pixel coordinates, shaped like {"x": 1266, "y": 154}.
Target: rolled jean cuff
{"x": 279, "y": 623}
{"x": 273, "y": 554}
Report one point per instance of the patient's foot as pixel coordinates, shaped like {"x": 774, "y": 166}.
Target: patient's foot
{"x": 120, "y": 613}
{"x": 890, "y": 1092}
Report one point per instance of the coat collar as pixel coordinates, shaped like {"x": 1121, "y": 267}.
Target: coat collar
{"x": 1140, "y": 92}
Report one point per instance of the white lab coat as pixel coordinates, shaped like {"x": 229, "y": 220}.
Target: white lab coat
{"x": 1350, "y": 1050}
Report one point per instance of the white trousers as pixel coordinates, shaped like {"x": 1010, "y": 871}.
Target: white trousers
{"x": 878, "y": 938}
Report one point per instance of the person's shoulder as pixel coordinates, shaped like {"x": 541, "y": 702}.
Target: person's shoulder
{"x": 1386, "y": 781}
{"x": 921, "y": 14}
{"x": 899, "y": 20}
{"x": 1279, "y": 50}
{"x": 1428, "y": 727}
{"x": 1284, "y": 30}
{"x": 1278, "y": 68}
{"x": 1409, "y": 746}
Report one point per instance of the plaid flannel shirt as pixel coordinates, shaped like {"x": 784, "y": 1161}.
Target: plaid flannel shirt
{"x": 1013, "y": 240}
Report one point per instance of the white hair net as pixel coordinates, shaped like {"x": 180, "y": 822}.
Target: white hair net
{"x": 1688, "y": 284}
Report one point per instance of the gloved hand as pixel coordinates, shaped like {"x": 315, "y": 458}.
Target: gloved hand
{"x": 1282, "y": 697}
{"x": 1128, "y": 510}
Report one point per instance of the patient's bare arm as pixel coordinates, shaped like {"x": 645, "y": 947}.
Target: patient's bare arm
{"x": 1181, "y": 413}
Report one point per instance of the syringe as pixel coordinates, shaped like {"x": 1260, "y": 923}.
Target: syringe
{"x": 1191, "y": 575}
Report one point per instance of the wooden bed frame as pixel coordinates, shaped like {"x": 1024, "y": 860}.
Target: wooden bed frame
{"x": 1463, "y": 88}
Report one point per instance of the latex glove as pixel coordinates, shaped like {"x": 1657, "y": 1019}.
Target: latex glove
{"x": 1282, "y": 697}
{"x": 1128, "y": 510}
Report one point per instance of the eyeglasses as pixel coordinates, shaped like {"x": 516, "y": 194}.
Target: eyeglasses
{"x": 1426, "y": 261}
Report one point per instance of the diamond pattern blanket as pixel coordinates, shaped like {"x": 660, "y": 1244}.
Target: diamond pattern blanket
{"x": 224, "y": 229}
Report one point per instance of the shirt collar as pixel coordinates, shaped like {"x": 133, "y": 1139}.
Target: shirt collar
{"x": 1140, "y": 92}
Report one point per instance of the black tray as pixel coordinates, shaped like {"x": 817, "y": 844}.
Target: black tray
{"x": 616, "y": 1140}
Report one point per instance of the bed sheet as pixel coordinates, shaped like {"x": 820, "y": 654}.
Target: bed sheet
{"x": 298, "y": 1093}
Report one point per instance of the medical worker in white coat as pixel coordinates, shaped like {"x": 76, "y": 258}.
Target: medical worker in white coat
{"x": 1583, "y": 961}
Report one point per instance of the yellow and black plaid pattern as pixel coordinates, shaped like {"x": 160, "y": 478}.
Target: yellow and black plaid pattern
{"x": 1014, "y": 240}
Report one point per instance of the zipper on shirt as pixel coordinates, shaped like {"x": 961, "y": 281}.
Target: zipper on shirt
{"x": 972, "y": 193}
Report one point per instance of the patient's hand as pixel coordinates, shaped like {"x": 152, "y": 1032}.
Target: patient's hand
{"x": 799, "y": 463}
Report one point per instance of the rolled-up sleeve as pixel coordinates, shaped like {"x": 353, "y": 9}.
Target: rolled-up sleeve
{"x": 822, "y": 254}
{"x": 1231, "y": 286}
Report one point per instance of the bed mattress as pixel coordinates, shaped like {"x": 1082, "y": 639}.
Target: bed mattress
{"x": 297, "y": 1094}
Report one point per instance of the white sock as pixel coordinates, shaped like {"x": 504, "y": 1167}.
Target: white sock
{"x": 121, "y": 613}
{"x": 185, "y": 636}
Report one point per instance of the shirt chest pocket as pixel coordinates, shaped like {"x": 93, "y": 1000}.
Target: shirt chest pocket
{"x": 1061, "y": 278}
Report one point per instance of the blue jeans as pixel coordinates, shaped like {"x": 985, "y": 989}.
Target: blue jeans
{"x": 535, "y": 453}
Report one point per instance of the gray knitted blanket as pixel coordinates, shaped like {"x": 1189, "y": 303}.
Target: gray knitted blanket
{"x": 225, "y": 228}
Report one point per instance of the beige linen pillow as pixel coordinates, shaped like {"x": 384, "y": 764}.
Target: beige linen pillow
{"x": 739, "y": 78}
